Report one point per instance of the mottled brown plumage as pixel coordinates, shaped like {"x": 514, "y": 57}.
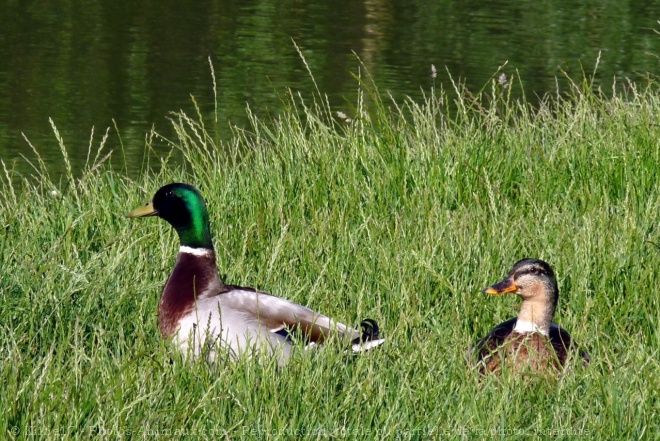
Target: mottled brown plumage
{"x": 531, "y": 341}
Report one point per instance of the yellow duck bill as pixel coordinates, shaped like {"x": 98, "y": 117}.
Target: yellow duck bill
{"x": 143, "y": 211}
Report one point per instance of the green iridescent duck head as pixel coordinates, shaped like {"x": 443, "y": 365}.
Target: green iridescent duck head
{"x": 184, "y": 208}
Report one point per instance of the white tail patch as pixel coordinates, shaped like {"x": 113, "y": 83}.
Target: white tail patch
{"x": 312, "y": 346}
{"x": 365, "y": 346}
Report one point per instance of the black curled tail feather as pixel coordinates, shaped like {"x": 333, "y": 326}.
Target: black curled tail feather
{"x": 369, "y": 338}
{"x": 370, "y": 330}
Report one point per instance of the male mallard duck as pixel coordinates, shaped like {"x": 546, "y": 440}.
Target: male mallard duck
{"x": 531, "y": 339}
{"x": 196, "y": 305}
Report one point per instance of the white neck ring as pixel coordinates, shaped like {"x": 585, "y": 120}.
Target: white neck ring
{"x": 525, "y": 327}
{"x": 204, "y": 252}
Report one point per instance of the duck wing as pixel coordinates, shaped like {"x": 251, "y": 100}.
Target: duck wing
{"x": 563, "y": 343}
{"x": 495, "y": 338}
{"x": 290, "y": 319}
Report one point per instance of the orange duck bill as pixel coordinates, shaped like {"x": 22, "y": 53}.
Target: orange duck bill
{"x": 505, "y": 286}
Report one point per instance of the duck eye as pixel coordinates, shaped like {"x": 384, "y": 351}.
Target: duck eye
{"x": 533, "y": 271}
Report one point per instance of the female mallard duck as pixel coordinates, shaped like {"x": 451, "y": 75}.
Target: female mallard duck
{"x": 530, "y": 340}
{"x": 200, "y": 311}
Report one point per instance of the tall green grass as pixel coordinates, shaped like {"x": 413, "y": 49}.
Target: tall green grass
{"x": 401, "y": 212}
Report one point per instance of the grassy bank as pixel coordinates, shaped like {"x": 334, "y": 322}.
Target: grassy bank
{"x": 403, "y": 215}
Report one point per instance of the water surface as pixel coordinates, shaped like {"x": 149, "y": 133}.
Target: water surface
{"x": 85, "y": 64}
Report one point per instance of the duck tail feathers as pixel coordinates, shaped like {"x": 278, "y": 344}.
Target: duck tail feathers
{"x": 370, "y": 337}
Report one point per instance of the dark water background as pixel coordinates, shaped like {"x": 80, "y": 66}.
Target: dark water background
{"x": 84, "y": 64}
